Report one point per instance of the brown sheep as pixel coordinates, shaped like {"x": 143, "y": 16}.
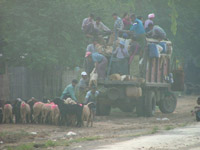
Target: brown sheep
{"x": 88, "y": 113}
{"x": 25, "y": 112}
{"x": 37, "y": 111}
{"x": 55, "y": 114}
{"x": 46, "y": 113}
{"x": 7, "y": 113}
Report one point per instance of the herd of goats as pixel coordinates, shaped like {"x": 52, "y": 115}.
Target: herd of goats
{"x": 56, "y": 112}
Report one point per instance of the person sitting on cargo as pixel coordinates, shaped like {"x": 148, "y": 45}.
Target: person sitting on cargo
{"x": 138, "y": 31}
{"x": 88, "y": 26}
{"x": 100, "y": 63}
{"x": 101, "y": 28}
{"x": 149, "y": 20}
{"x": 121, "y": 52}
{"x": 69, "y": 91}
{"x": 118, "y": 25}
{"x": 121, "y": 65}
{"x": 156, "y": 32}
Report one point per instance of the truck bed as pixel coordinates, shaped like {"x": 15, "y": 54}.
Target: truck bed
{"x": 119, "y": 83}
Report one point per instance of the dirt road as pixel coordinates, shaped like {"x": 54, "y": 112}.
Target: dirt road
{"x": 187, "y": 138}
{"x": 117, "y": 127}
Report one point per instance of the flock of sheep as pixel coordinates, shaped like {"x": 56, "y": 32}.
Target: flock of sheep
{"x": 56, "y": 112}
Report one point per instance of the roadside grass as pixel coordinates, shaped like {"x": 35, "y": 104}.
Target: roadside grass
{"x": 169, "y": 127}
{"x": 154, "y": 130}
{"x": 10, "y": 137}
{"x": 28, "y": 146}
{"x": 50, "y": 143}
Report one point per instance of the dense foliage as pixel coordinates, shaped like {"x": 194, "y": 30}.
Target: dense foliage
{"x": 46, "y": 33}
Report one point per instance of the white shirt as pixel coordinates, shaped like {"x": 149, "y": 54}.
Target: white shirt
{"x": 86, "y": 22}
{"x": 101, "y": 27}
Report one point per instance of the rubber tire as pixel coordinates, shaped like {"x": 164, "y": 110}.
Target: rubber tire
{"x": 103, "y": 110}
{"x": 165, "y": 107}
{"x": 150, "y": 103}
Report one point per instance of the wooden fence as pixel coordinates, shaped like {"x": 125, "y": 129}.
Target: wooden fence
{"x": 25, "y": 83}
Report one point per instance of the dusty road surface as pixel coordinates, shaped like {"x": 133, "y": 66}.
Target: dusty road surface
{"x": 107, "y": 130}
{"x": 187, "y": 138}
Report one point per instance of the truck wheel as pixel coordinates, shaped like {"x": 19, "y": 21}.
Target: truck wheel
{"x": 168, "y": 103}
{"x": 140, "y": 107}
{"x": 150, "y": 103}
{"x": 103, "y": 110}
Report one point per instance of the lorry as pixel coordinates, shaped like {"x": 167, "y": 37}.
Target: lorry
{"x": 154, "y": 88}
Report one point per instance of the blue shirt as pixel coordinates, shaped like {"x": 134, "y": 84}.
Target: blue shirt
{"x": 137, "y": 27}
{"x": 96, "y": 57}
{"x": 69, "y": 90}
{"x": 91, "y": 97}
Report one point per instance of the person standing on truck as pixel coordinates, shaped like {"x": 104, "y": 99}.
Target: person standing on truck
{"x": 149, "y": 20}
{"x": 156, "y": 32}
{"x": 118, "y": 25}
{"x": 138, "y": 31}
{"x": 100, "y": 62}
{"x": 88, "y": 26}
{"x": 69, "y": 91}
{"x": 101, "y": 28}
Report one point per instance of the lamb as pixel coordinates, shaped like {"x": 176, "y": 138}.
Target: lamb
{"x": 7, "y": 113}
{"x": 25, "y": 112}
